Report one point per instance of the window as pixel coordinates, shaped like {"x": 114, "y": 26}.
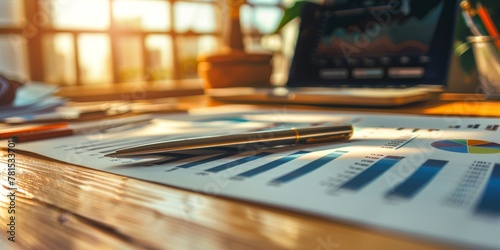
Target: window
{"x": 68, "y": 42}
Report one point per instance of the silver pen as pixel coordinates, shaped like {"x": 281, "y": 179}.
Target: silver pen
{"x": 268, "y": 138}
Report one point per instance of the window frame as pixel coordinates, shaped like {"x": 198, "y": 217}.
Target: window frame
{"x": 34, "y": 34}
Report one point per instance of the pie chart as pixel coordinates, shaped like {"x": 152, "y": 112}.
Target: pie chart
{"x": 468, "y": 146}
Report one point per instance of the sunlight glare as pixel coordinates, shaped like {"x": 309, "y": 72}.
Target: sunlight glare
{"x": 94, "y": 58}
{"x": 64, "y": 57}
{"x": 160, "y": 46}
{"x": 81, "y": 14}
{"x": 151, "y": 15}
{"x": 195, "y": 17}
{"x": 265, "y": 20}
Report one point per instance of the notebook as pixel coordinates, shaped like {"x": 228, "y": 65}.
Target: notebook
{"x": 364, "y": 52}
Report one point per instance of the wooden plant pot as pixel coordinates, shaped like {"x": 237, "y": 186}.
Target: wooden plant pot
{"x": 235, "y": 69}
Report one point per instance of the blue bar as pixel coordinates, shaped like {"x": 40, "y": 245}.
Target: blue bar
{"x": 311, "y": 166}
{"x": 418, "y": 180}
{"x": 273, "y": 164}
{"x": 372, "y": 173}
{"x": 489, "y": 203}
{"x": 206, "y": 160}
{"x": 237, "y": 162}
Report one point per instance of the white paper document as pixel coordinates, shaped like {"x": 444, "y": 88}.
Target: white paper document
{"x": 431, "y": 177}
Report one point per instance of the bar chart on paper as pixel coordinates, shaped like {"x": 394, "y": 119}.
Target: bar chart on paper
{"x": 262, "y": 163}
{"x": 408, "y": 179}
{"x": 271, "y": 165}
{"x": 311, "y": 166}
{"x": 489, "y": 203}
{"x": 418, "y": 180}
{"x": 370, "y": 174}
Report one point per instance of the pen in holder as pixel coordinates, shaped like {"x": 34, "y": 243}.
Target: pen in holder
{"x": 487, "y": 60}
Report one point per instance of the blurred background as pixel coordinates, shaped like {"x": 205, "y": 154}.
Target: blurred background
{"x": 81, "y": 42}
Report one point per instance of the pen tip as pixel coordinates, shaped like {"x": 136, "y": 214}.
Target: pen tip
{"x": 110, "y": 155}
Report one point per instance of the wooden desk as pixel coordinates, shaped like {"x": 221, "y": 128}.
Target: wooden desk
{"x": 72, "y": 207}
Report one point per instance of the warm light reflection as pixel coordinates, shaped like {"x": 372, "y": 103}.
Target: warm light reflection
{"x": 278, "y": 229}
{"x": 77, "y": 14}
{"x": 11, "y": 12}
{"x": 160, "y": 61}
{"x": 13, "y": 55}
{"x": 63, "y": 43}
{"x": 207, "y": 44}
{"x": 129, "y": 58}
{"x": 95, "y": 66}
{"x": 61, "y": 55}
{"x": 194, "y": 17}
{"x": 150, "y": 15}
{"x": 160, "y": 43}
{"x": 156, "y": 62}
{"x": 190, "y": 48}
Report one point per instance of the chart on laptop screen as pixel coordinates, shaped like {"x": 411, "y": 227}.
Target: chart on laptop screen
{"x": 370, "y": 33}
{"x": 435, "y": 177}
{"x": 386, "y": 42}
{"x": 379, "y": 31}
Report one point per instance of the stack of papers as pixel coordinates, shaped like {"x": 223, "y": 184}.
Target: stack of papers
{"x": 32, "y": 98}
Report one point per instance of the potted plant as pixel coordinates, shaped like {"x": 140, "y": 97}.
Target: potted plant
{"x": 232, "y": 66}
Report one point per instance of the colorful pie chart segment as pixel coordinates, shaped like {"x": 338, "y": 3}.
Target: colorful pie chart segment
{"x": 468, "y": 146}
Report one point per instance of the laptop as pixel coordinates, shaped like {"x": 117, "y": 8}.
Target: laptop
{"x": 364, "y": 53}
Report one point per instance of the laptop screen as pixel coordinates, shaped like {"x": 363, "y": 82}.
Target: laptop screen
{"x": 370, "y": 43}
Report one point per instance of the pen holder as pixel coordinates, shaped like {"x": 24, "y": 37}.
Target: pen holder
{"x": 487, "y": 60}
